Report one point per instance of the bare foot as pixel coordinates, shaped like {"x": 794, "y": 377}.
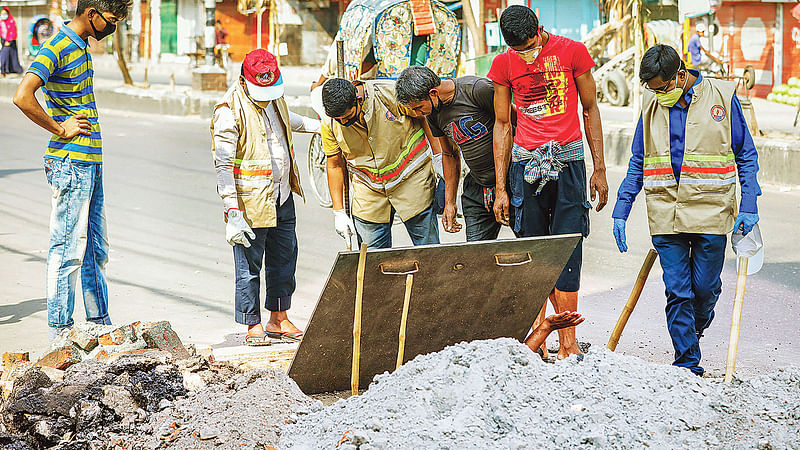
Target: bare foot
{"x": 563, "y": 319}
{"x": 279, "y": 322}
{"x": 255, "y": 330}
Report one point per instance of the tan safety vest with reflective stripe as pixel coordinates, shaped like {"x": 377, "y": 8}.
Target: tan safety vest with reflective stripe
{"x": 704, "y": 201}
{"x": 252, "y": 167}
{"x": 388, "y": 161}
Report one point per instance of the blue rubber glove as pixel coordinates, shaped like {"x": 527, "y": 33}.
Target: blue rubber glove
{"x": 619, "y": 235}
{"x": 745, "y": 222}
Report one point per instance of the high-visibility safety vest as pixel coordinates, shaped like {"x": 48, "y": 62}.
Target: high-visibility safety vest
{"x": 252, "y": 167}
{"x": 389, "y": 161}
{"x": 704, "y": 200}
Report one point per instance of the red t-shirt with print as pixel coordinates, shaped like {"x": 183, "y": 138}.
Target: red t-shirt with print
{"x": 544, "y": 91}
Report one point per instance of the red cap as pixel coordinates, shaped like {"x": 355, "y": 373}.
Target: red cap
{"x": 262, "y": 75}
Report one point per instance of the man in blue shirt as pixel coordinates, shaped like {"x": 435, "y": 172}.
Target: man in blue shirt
{"x": 690, "y": 134}
{"x": 700, "y": 56}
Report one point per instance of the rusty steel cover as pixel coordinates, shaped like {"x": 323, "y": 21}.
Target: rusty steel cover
{"x": 461, "y": 292}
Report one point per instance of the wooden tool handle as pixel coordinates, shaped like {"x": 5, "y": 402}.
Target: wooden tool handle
{"x": 632, "y": 299}
{"x": 736, "y": 320}
{"x": 401, "y": 347}
{"x": 362, "y": 262}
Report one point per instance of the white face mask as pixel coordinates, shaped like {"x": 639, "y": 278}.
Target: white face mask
{"x": 3, "y": 16}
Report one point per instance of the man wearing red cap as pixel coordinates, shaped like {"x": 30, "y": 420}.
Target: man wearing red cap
{"x": 256, "y": 174}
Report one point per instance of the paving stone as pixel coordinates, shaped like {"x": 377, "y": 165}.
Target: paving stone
{"x": 9, "y": 358}
{"x": 83, "y": 339}
{"x": 62, "y": 357}
{"x": 122, "y": 335}
{"x": 160, "y": 335}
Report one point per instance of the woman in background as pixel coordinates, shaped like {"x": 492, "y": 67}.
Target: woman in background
{"x": 9, "y": 59}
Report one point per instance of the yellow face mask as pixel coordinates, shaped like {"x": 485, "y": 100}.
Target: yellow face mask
{"x": 668, "y": 99}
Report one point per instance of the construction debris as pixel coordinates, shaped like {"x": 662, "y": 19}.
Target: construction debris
{"x": 123, "y": 396}
{"x": 499, "y": 394}
{"x": 483, "y": 394}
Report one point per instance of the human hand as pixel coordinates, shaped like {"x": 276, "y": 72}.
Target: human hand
{"x": 599, "y": 186}
{"x": 619, "y": 235}
{"x": 449, "y": 219}
{"x": 563, "y": 319}
{"x": 501, "y": 206}
{"x": 745, "y": 222}
{"x": 343, "y": 225}
{"x": 75, "y": 125}
{"x": 237, "y": 229}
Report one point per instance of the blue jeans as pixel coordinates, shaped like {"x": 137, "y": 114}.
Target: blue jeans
{"x": 422, "y": 228}
{"x": 692, "y": 264}
{"x": 275, "y": 248}
{"x": 77, "y": 241}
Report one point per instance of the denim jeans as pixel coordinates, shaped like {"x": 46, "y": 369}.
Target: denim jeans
{"x": 692, "y": 264}
{"x": 422, "y": 228}
{"x": 77, "y": 241}
{"x": 479, "y": 220}
{"x": 276, "y": 249}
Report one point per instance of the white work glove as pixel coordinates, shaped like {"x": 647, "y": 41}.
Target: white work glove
{"x": 437, "y": 164}
{"x": 343, "y": 224}
{"x": 237, "y": 228}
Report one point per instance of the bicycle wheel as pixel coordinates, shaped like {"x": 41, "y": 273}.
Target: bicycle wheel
{"x": 317, "y": 172}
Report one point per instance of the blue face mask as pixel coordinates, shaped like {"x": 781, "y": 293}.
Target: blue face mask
{"x": 353, "y": 119}
{"x": 350, "y": 122}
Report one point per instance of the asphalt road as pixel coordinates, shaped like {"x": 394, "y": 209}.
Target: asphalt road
{"x": 169, "y": 258}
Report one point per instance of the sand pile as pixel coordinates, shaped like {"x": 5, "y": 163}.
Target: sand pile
{"x": 499, "y": 394}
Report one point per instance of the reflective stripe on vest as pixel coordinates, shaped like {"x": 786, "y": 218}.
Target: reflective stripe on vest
{"x": 407, "y": 162}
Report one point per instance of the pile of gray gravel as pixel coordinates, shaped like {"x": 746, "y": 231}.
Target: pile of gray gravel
{"x": 499, "y": 394}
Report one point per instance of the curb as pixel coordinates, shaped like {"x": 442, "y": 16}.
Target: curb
{"x": 778, "y": 160}
{"x": 132, "y": 99}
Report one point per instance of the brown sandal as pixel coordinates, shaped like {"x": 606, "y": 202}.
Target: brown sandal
{"x": 255, "y": 340}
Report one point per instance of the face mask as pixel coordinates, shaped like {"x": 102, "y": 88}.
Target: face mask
{"x": 668, "y": 99}
{"x": 530, "y": 55}
{"x": 102, "y": 34}
{"x": 436, "y": 108}
{"x": 3, "y": 16}
{"x": 353, "y": 119}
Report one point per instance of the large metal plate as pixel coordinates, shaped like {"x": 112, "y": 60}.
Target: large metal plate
{"x": 461, "y": 292}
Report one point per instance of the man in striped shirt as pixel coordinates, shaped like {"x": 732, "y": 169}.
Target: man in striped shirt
{"x": 73, "y": 160}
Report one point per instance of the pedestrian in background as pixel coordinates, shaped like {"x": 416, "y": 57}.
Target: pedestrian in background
{"x": 73, "y": 161}
{"x": 689, "y": 144}
{"x": 9, "y": 58}
{"x": 256, "y": 175}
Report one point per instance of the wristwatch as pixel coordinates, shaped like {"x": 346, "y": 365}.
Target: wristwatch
{"x": 233, "y": 213}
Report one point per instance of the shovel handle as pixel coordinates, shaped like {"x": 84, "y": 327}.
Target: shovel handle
{"x": 736, "y": 320}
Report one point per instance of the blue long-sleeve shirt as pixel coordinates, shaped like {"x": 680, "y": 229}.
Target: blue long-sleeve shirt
{"x": 741, "y": 143}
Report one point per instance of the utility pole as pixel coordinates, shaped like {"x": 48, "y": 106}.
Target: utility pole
{"x": 209, "y": 32}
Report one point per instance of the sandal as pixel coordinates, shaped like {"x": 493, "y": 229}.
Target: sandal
{"x": 289, "y": 336}
{"x": 255, "y": 340}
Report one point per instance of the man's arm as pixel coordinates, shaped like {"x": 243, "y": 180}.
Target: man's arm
{"x": 502, "y": 139}
{"x": 746, "y": 158}
{"x": 451, "y": 166}
{"x": 226, "y": 136}
{"x": 25, "y": 99}
{"x": 632, "y": 184}
{"x": 587, "y": 89}
{"x": 303, "y": 124}
{"x": 335, "y": 164}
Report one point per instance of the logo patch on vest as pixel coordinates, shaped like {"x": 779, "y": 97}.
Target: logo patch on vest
{"x": 717, "y": 113}
{"x": 390, "y": 117}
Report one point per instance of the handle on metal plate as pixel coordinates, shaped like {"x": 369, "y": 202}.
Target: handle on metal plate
{"x": 512, "y": 259}
{"x": 399, "y": 267}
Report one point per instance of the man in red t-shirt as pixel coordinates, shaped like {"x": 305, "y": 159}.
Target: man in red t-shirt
{"x": 546, "y": 177}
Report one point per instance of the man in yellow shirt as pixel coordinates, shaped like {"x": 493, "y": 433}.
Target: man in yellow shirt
{"x": 386, "y": 152}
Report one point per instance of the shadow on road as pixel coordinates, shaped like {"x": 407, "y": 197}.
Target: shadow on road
{"x": 16, "y": 312}
{"x": 7, "y": 172}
